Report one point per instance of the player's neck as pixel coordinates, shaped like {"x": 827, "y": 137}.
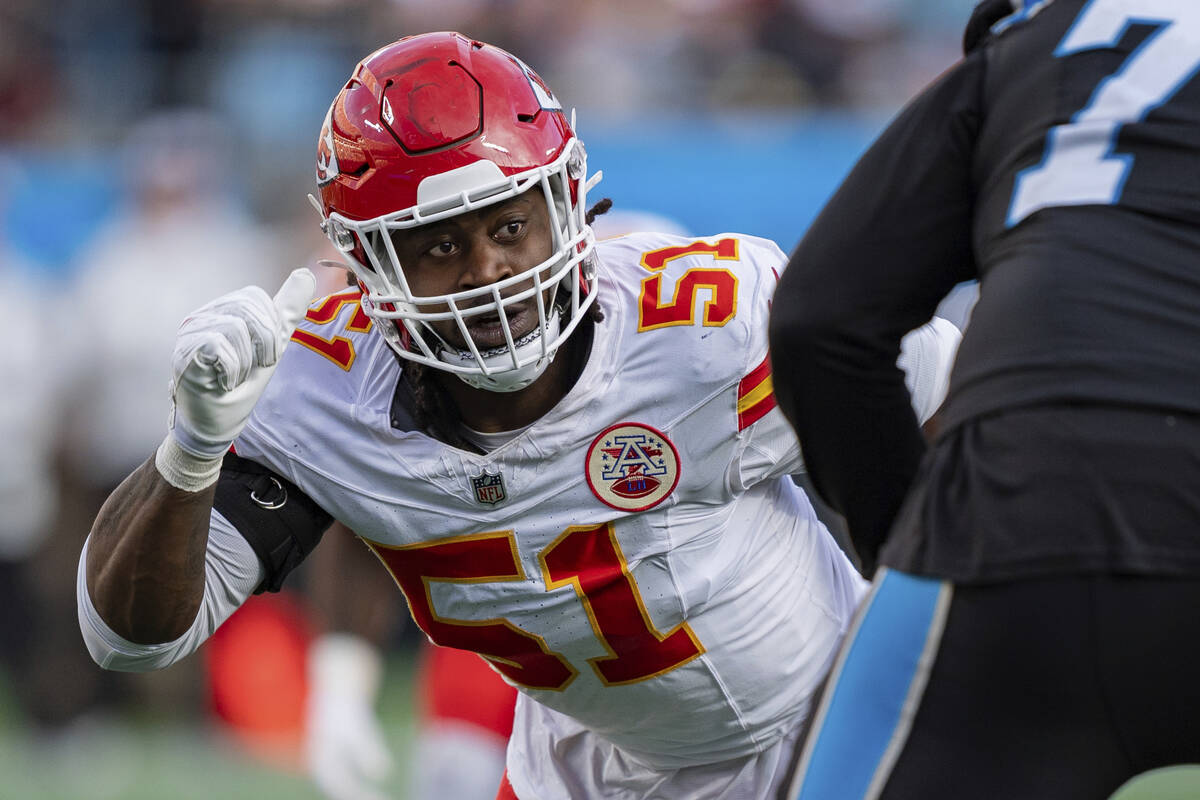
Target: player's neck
{"x": 493, "y": 412}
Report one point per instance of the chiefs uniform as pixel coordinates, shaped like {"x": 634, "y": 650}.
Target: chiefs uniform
{"x": 627, "y": 560}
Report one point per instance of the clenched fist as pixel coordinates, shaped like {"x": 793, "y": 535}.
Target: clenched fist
{"x": 225, "y": 353}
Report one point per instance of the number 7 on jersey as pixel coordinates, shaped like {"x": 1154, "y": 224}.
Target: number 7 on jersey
{"x": 1080, "y": 166}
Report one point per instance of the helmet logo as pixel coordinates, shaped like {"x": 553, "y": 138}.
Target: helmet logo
{"x": 389, "y": 116}
{"x": 541, "y": 91}
{"x": 327, "y": 162}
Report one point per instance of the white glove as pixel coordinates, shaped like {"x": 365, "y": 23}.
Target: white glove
{"x": 346, "y": 752}
{"x": 225, "y": 353}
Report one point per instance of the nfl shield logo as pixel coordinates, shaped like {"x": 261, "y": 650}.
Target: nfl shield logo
{"x": 489, "y": 488}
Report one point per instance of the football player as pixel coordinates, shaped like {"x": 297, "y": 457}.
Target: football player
{"x": 1028, "y": 633}
{"x": 567, "y": 454}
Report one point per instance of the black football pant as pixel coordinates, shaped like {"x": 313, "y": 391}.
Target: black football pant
{"x": 1055, "y": 688}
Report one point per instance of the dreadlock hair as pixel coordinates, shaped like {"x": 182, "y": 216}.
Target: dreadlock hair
{"x": 601, "y": 207}
{"x": 595, "y": 313}
{"x": 433, "y": 409}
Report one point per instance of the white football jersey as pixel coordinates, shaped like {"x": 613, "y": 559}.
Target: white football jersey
{"x": 638, "y": 558}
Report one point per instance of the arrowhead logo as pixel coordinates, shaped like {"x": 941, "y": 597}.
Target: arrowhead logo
{"x": 327, "y": 162}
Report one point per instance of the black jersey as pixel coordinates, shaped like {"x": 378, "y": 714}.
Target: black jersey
{"x": 1085, "y": 175}
{"x": 1059, "y": 164}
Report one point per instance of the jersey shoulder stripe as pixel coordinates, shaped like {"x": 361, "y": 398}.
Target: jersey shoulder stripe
{"x": 756, "y": 395}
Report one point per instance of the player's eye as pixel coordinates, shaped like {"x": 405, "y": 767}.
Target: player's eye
{"x": 510, "y": 230}
{"x": 443, "y": 249}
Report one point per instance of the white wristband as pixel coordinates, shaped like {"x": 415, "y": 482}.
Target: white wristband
{"x": 183, "y": 470}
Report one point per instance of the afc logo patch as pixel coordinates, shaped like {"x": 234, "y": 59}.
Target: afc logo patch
{"x": 631, "y": 467}
{"x": 489, "y": 488}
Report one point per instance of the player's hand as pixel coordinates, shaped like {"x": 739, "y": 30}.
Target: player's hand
{"x": 225, "y": 353}
{"x": 347, "y": 753}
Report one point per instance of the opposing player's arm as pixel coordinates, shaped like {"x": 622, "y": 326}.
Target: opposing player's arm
{"x": 890, "y": 244}
{"x": 143, "y": 570}
{"x": 768, "y": 444}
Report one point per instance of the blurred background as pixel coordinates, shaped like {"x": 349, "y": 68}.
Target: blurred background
{"x": 154, "y": 155}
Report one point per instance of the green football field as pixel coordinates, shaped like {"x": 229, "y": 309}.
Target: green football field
{"x": 128, "y": 758}
{"x": 1170, "y": 783}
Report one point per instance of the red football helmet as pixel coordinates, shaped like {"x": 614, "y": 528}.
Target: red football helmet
{"x": 437, "y": 125}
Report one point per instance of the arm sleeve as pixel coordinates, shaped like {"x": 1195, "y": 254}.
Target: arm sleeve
{"x": 231, "y": 574}
{"x": 890, "y": 244}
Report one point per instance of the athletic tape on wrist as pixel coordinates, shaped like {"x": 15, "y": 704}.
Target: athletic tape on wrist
{"x": 183, "y": 470}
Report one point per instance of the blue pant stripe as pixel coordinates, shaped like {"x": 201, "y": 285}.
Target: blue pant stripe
{"x": 861, "y": 719}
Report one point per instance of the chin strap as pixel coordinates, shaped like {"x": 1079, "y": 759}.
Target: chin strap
{"x": 507, "y": 379}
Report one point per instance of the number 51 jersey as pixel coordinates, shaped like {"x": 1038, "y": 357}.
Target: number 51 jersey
{"x": 638, "y": 558}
